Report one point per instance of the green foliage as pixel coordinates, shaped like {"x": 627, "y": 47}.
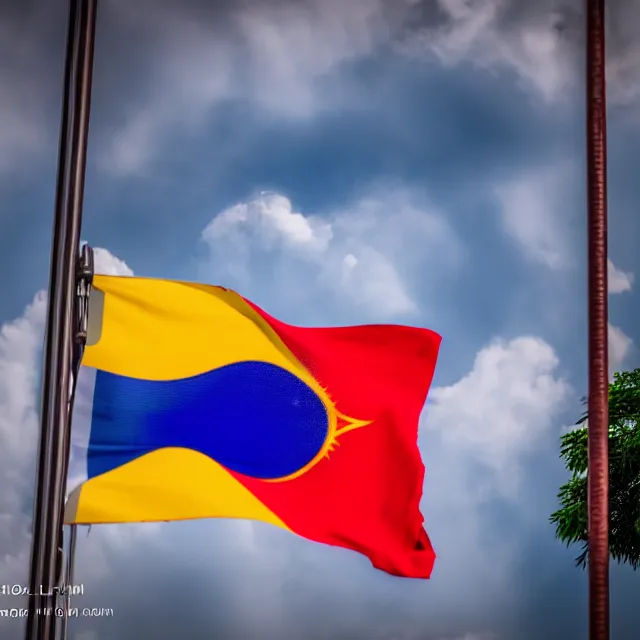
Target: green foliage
{"x": 624, "y": 476}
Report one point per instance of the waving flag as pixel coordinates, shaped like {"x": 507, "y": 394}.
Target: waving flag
{"x": 194, "y": 403}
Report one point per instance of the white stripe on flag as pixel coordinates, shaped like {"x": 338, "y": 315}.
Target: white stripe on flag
{"x": 81, "y": 428}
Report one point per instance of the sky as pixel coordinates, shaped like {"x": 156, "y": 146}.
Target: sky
{"x": 407, "y": 161}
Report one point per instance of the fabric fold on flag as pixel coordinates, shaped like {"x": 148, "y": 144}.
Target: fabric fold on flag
{"x": 193, "y": 402}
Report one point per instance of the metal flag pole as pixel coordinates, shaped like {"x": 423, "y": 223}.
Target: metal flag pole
{"x": 68, "y": 580}
{"x": 58, "y": 350}
{"x": 598, "y": 401}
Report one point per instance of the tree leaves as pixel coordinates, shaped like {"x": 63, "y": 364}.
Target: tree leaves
{"x": 571, "y": 519}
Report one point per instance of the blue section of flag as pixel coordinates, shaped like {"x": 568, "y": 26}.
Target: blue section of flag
{"x": 254, "y": 418}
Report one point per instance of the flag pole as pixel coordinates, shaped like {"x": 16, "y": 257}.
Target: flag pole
{"x": 68, "y": 580}
{"x": 46, "y": 546}
{"x": 598, "y": 401}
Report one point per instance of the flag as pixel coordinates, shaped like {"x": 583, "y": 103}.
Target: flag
{"x": 192, "y": 402}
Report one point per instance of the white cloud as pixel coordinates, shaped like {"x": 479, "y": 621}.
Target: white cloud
{"x": 619, "y": 281}
{"x": 20, "y": 345}
{"x": 323, "y": 34}
{"x": 504, "y": 407}
{"x": 541, "y": 44}
{"x": 373, "y": 280}
{"x": 286, "y": 58}
{"x": 270, "y": 219}
{"x": 532, "y": 209}
{"x": 620, "y": 346}
{"x": 623, "y": 53}
{"x": 20, "y": 350}
{"x": 273, "y": 54}
{"x": 107, "y": 264}
{"x": 365, "y": 256}
{"x": 487, "y": 34}
{"x": 477, "y": 438}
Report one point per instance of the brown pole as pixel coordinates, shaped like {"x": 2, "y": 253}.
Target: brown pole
{"x": 598, "y": 401}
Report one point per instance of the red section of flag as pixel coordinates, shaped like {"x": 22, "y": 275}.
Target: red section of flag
{"x": 366, "y": 495}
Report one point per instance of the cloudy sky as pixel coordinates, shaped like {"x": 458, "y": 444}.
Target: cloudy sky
{"x": 409, "y": 161}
